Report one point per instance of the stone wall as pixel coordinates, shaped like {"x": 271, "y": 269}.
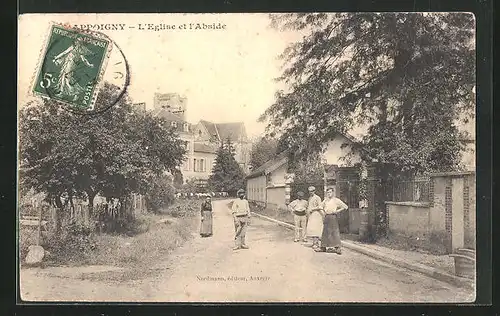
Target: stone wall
{"x": 276, "y": 197}
{"x": 409, "y": 217}
{"x": 450, "y": 216}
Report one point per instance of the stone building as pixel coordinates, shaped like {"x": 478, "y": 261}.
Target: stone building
{"x": 202, "y": 139}
{"x": 214, "y": 134}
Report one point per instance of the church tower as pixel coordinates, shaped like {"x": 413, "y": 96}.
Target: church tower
{"x": 171, "y": 102}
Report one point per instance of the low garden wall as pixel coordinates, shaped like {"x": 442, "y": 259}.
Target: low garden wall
{"x": 447, "y": 219}
{"x": 409, "y": 217}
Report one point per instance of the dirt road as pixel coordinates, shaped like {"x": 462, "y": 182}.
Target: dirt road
{"x": 274, "y": 269}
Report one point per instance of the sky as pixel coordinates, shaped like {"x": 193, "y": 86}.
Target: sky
{"x": 227, "y": 75}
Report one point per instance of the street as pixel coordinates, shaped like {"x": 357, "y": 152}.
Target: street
{"x": 274, "y": 269}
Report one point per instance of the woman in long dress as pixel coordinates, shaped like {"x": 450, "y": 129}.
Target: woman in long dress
{"x": 206, "y": 218}
{"x": 330, "y": 237}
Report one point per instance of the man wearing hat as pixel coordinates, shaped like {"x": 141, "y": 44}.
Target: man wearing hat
{"x": 314, "y": 217}
{"x": 241, "y": 216}
{"x": 298, "y": 207}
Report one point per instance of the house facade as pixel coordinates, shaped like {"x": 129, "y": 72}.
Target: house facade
{"x": 214, "y": 134}
{"x": 338, "y": 151}
{"x": 202, "y": 139}
{"x": 266, "y": 185}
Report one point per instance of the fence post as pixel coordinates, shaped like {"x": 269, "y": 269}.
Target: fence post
{"x": 376, "y": 195}
{"x": 39, "y": 226}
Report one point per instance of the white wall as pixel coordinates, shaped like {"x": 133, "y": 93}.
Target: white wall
{"x": 278, "y": 176}
{"x": 333, "y": 152}
{"x": 276, "y": 197}
{"x": 256, "y": 189}
{"x": 408, "y": 218}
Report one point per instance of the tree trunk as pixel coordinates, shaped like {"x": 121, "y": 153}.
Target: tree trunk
{"x": 72, "y": 205}
{"x": 91, "y": 196}
{"x": 407, "y": 118}
{"x": 58, "y": 214}
{"x": 93, "y": 227}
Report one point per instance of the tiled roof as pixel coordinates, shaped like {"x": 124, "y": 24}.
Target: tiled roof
{"x": 212, "y": 130}
{"x": 270, "y": 165}
{"x": 234, "y": 131}
{"x": 222, "y": 131}
{"x": 203, "y": 148}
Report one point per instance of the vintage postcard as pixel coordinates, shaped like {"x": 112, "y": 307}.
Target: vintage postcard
{"x": 298, "y": 157}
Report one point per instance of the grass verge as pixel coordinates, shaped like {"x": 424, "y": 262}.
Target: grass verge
{"x": 278, "y": 214}
{"x": 151, "y": 238}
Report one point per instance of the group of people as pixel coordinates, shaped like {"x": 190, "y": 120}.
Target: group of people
{"x": 318, "y": 220}
{"x": 313, "y": 219}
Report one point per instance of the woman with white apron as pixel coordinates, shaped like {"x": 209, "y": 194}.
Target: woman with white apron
{"x": 314, "y": 218}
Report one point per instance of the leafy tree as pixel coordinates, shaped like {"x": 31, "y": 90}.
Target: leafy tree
{"x": 228, "y": 145}
{"x": 190, "y": 186}
{"x": 307, "y": 169}
{"x": 178, "y": 179}
{"x": 226, "y": 174}
{"x": 406, "y": 77}
{"x": 160, "y": 194}
{"x": 115, "y": 153}
{"x": 263, "y": 150}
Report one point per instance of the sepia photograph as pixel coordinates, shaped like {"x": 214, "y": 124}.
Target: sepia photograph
{"x": 247, "y": 157}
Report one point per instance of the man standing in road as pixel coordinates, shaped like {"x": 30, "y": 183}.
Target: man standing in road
{"x": 241, "y": 216}
{"x": 298, "y": 208}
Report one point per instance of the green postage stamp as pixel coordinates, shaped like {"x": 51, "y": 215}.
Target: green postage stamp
{"x": 71, "y": 67}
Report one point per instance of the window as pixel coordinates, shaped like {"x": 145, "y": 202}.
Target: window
{"x": 200, "y": 165}
{"x": 185, "y": 165}
{"x": 174, "y": 124}
{"x": 186, "y": 127}
{"x": 209, "y": 164}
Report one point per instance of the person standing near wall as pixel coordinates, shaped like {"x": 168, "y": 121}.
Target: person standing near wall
{"x": 314, "y": 217}
{"x": 298, "y": 207}
{"x": 330, "y": 237}
{"x": 241, "y": 216}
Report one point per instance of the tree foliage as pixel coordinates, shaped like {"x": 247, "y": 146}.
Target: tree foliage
{"x": 227, "y": 175}
{"x": 263, "y": 150}
{"x": 160, "y": 194}
{"x": 114, "y": 153}
{"x": 189, "y": 187}
{"x": 406, "y": 77}
{"x": 307, "y": 169}
{"x": 178, "y": 179}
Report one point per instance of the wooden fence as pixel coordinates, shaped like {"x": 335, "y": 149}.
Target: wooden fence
{"x": 43, "y": 213}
